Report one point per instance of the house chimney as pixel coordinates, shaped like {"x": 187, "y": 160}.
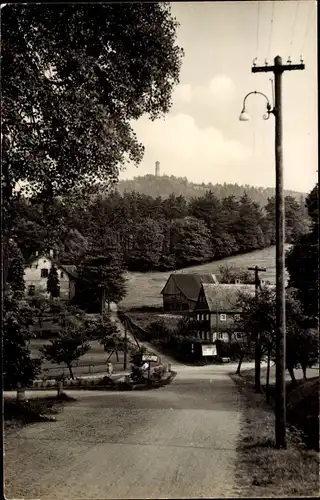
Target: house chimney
{"x": 157, "y": 171}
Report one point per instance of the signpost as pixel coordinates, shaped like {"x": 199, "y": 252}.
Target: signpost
{"x": 209, "y": 350}
{"x": 150, "y": 358}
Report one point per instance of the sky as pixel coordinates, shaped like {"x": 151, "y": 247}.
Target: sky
{"x": 201, "y": 138}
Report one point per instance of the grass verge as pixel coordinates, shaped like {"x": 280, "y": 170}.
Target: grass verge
{"x": 262, "y": 470}
{"x": 18, "y": 413}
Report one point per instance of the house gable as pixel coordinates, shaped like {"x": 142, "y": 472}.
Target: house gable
{"x": 187, "y": 284}
{"x": 36, "y": 273}
{"x": 170, "y": 287}
{"x": 202, "y": 304}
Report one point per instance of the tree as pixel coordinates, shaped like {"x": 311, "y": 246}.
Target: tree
{"x": 101, "y": 277}
{"x": 242, "y": 346}
{"x": 75, "y": 246}
{"x": 107, "y": 333}
{"x": 18, "y": 366}
{"x": 40, "y": 305}
{"x": 295, "y": 219}
{"x": 158, "y": 330}
{"x": 256, "y": 325}
{"x": 249, "y": 232}
{"x": 53, "y": 283}
{"x": 302, "y": 261}
{"x": 190, "y": 241}
{"x": 208, "y": 208}
{"x": 69, "y": 96}
{"x": 229, "y": 274}
{"x": 69, "y": 347}
{"x": 259, "y": 318}
{"x": 147, "y": 245}
{"x": 16, "y": 270}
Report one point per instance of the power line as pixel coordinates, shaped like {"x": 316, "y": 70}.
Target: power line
{"x": 294, "y": 26}
{"x": 258, "y": 26}
{"x": 271, "y": 29}
{"x": 307, "y": 26}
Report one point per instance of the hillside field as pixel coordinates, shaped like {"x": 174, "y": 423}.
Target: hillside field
{"x": 144, "y": 288}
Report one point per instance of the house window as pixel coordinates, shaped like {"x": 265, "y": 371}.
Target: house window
{"x": 61, "y": 274}
{"x": 44, "y": 273}
{"x": 220, "y": 336}
{"x": 223, "y": 317}
{"x": 31, "y": 289}
{"x": 198, "y": 317}
{"x": 238, "y": 335}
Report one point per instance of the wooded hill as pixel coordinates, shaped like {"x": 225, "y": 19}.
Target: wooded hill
{"x": 180, "y": 186}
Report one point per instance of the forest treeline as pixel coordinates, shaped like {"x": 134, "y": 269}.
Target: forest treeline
{"x": 165, "y": 185}
{"x": 147, "y": 233}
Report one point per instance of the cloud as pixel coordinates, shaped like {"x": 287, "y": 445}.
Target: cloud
{"x": 190, "y": 141}
{"x": 220, "y": 88}
{"x": 185, "y": 149}
{"x": 182, "y": 94}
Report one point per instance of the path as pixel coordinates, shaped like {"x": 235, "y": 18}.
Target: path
{"x": 175, "y": 442}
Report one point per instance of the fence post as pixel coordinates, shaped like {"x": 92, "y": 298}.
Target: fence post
{"x": 21, "y": 394}
{"x": 60, "y": 387}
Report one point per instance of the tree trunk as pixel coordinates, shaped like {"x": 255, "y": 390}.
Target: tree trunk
{"x": 108, "y": 305}
{"x": 292, "y": 375}
{"x": 103, "y": 300}
{"x": 117, "y": 355}
{"x": 268, "y": 376}
{"x": 304, "y": 371}
{"x": 70, "y": 371}
{"x": 5, "y": 261}
{"x": 239, "y": 364}
{"x": 257, "y": 367}
{"x": 109, "y": 356}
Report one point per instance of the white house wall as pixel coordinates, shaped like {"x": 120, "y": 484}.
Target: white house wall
{"x": 32, "y": 276}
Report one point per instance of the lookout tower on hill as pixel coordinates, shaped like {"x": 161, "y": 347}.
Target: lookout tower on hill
{"x": 157, "y": 169}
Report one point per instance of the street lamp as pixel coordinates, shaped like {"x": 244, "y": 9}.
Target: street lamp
{"x": 245, "y": 117}
{"x": 280, "y": 423}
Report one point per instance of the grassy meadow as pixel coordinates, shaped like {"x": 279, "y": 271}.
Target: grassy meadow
{"x": 144, "y": 288}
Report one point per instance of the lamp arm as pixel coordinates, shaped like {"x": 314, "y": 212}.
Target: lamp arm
{"x": 266, "y": 116}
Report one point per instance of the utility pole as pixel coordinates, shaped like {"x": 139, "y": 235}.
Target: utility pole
{"x": 277, "y": 69}
{"x": 257, "y": 354}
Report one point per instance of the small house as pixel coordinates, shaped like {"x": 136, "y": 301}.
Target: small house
{"x": 181, "y": 291}
{"x": 36, "y": 274}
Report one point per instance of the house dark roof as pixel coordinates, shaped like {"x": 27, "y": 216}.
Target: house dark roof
{"x": 225, "y": 298}
{"x": 69, "y": 269}
{"x": 189, "y": 284}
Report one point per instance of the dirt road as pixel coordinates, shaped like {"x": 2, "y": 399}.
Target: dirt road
{"x": 175, "y": 442}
